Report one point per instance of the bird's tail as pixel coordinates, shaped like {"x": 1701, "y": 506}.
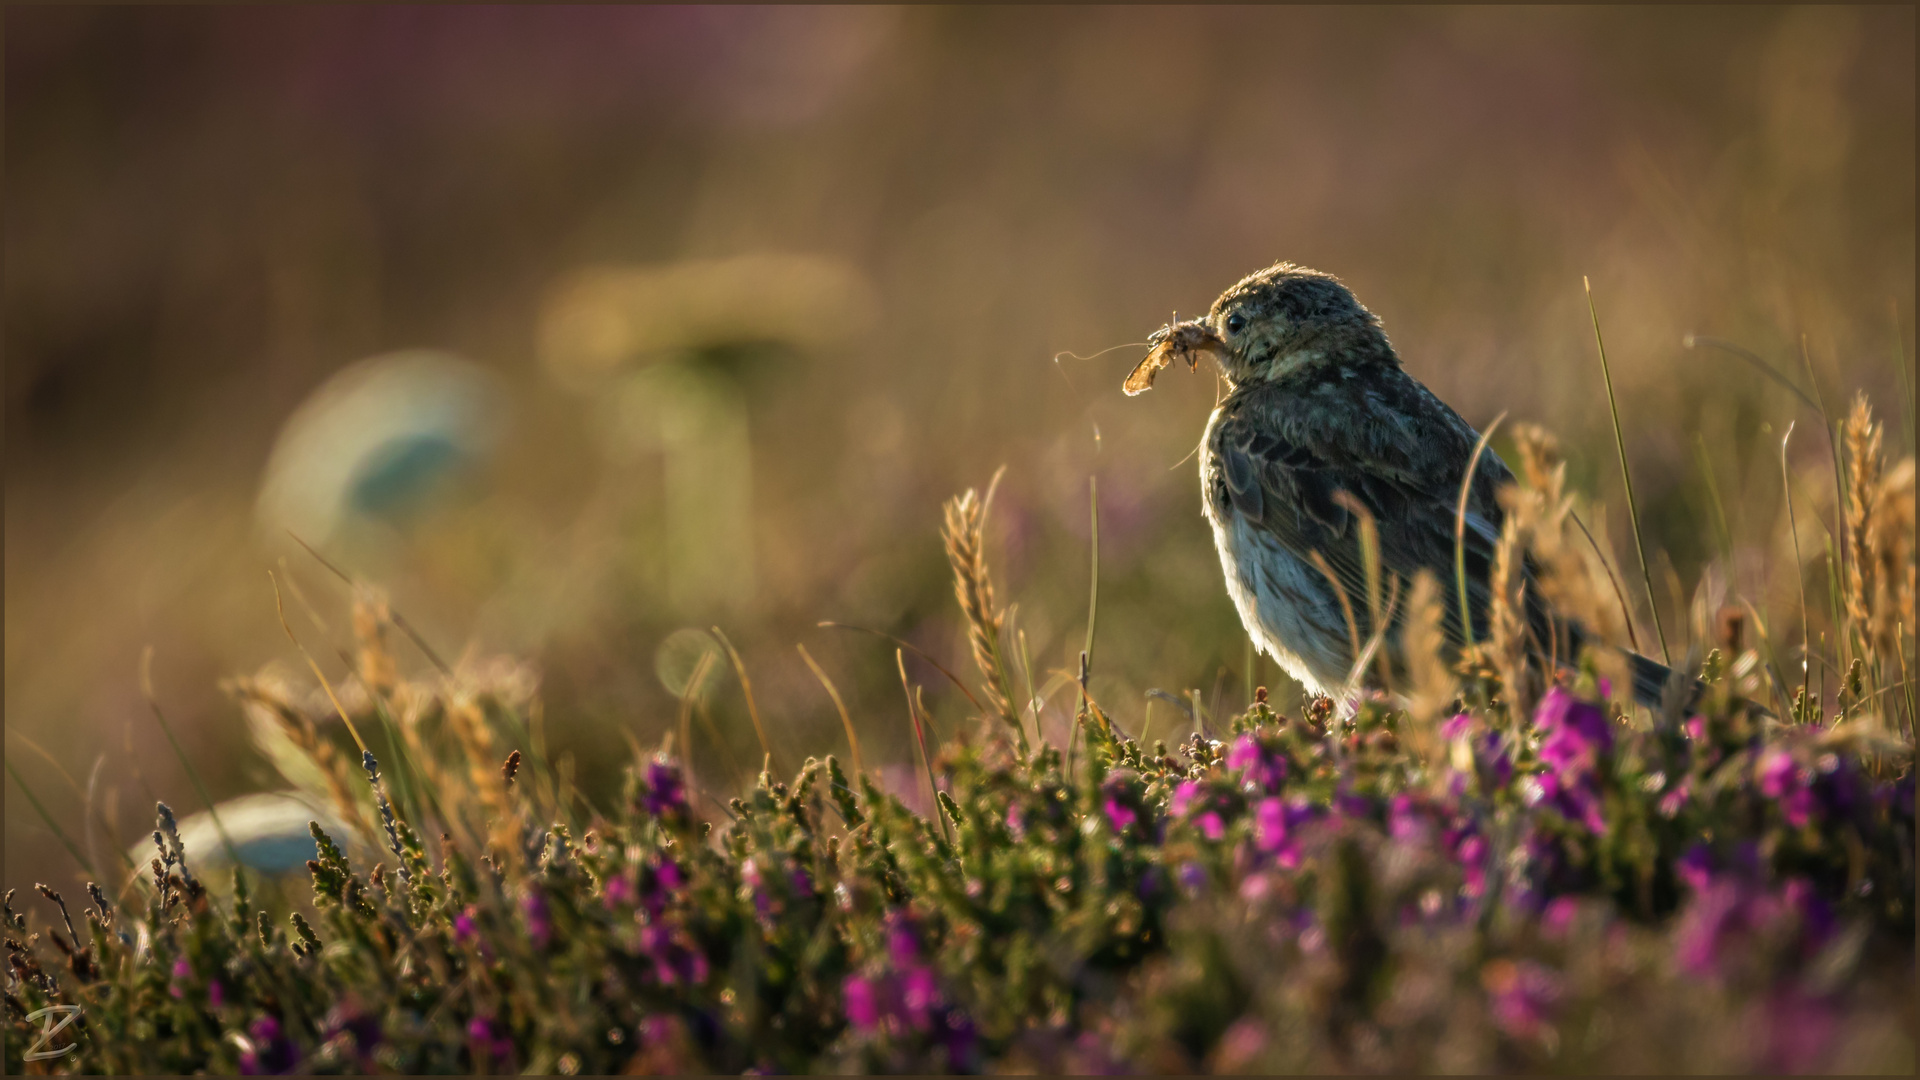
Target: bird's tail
{"x": 1654, "y": 682}
{"x": 1651, "y": 679}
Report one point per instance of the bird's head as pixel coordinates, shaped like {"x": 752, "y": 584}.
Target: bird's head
{"x": 1269, "y": 325}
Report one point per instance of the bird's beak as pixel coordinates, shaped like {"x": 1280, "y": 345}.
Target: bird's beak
{"x": 1186, "y": 341}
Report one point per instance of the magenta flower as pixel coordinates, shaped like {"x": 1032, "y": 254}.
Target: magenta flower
{"x": 1274, "y": 824}
{"x": 1472, "y": 854}
{"x": 1183, "y": 797}
{"x": 1558, "y": 918}
{"x": 1785, "y": 781}
{"x": 1574, "y": 733}
{"x": 539, "y": 918}
{"x": 489, "y": 1037}
{"x": 863, "y": 1011}
{"x": 1262, "y": 767}
{"x": 619, "y": 891}
{"x": 182, "y": 971}
{"x": 676, "y": 962}
{"x": 268, "y": 1052}
{"x": 1521, "y": 996}
{"x": 1457, "y": 725}
{"x": 663, "y": 791}
{"x": 465, "y": 926}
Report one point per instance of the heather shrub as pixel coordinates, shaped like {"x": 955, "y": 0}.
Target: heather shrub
{"x": 1497, "y": 878}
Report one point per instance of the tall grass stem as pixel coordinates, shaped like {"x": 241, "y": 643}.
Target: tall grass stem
{"x": 1620, "y": 445}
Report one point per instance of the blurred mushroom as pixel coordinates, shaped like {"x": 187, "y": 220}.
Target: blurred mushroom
{"x": 381, "y": 440}
{"x": 269, "y": 832}
{"x": 669, "y": 353}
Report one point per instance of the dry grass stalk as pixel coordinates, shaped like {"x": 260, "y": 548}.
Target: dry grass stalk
{"x": 1889, "y": 561}
{"x": 965, "y": 536}
{"x": 1431, "y": 683}
{"x": 371, "y": 617}
{"x": 1880, "y": 571}
{"x": 1507, "y": 649}
{"x": 266, "y": 701}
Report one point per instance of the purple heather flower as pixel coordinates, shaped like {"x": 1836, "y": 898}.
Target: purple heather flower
{"x": 1574, "y": 733}
{"x": 348, "y": 1019}
{"x": 664, "y": 794}
{"x": 1472, "y": 854}
{"x": 1785, "y": 781}
{"x": 1457, "y": 725}
{"x": 1675, "y": 800}
{"x": 675, "y": 961}
{"x": 1727, "y": 908}
{"x": 270, "y": 1051}
{"x": 1695, "y": 727}
{"x": 1521, "y": 996}
{"x": 1119, "y": 815}
{"x": 1695, "y": 867}
{"x": 465, "y": 926}
{"x": 1183, "y": 797}
{"x": 1404, "y": 820}
{"x": 216, "y": 995}
{"x": 1261, "y": 767}
{"x": 539, "y": 919}
{"x": 490, "y": 1037}
{"x": 1211, "y": 826}
{"x": 619, "y": 891}
{"x": 903, "y": 940}
{"x": 920, "y": 996}
{"x": 1558, "y": 918}
{"x": 1273, "y": 825}
{"x": 1016, "y": 822}
{"x": 1493, "y": 758}
{"x": 863, "y": 1011}
{"x": 182, "y": 971}
{"x": 1193, "y": 877}
{"x": 1799, "y": 1033}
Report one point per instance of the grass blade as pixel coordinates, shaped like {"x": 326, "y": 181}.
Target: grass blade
{"x": 746, "y": 687}
{"x": 153, "y": 702}
{"x": 1799, "y": 568}
{"x": 920, "y": 737}
{"x": 53, "y": 826}
{"x": 1459, "y": 536}
{"x": 1620, "y": 444}
{"x": 853, "y": 738}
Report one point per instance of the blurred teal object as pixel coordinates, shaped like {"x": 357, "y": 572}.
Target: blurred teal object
{"x": 269, "y": 832}
{"x": 380, "y": 441}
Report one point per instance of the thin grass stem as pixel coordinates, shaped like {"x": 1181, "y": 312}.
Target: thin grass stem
{"x": 1620, "y": 444}
{"x": 853, "y": 738}
{"x": 746, "y": 688}
{"x": 1460, "y": 535}
{"x": 72, "y": 849}
{"x": 1799, "y": 571}
{"x": 920, "y": 738}
{"x": 193, "y": 774}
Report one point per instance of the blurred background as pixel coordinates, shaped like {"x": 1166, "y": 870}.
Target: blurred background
{"x": 576, "y": 327}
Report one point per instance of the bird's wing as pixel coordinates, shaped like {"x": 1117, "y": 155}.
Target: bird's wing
{"x": 1284, "y": 452}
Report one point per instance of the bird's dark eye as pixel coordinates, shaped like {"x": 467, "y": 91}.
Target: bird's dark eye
{"x": 1236, "y": 322}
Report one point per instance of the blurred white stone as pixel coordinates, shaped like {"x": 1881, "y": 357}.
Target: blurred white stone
{"x": 268, "y": 830}
{"x": 377, "y": 441}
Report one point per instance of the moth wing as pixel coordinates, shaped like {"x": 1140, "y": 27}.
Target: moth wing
{"x": 1142, "y": 378}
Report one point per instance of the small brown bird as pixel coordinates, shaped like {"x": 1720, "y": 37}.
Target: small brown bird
{"x": 1321, "y": 419}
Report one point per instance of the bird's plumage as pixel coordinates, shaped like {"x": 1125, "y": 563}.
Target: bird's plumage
{"x": 1321, "y": 420}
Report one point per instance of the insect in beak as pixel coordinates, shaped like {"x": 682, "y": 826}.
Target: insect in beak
{"x": 1186, "y": 341}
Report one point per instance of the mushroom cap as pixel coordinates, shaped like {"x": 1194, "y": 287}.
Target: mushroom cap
{"x": 376, "y": 439}
{"x": 601, "y": 319}
{"x": 269, "y": 832}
